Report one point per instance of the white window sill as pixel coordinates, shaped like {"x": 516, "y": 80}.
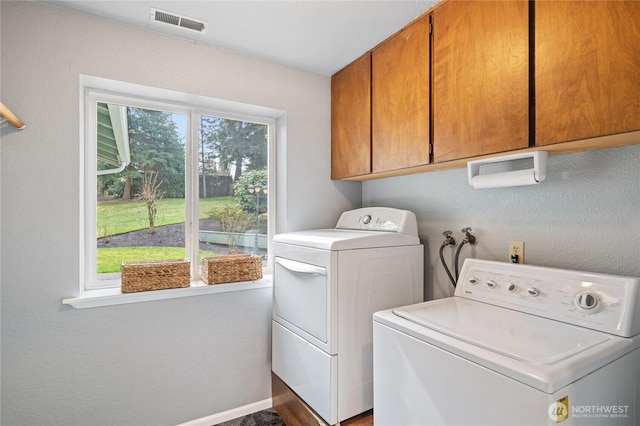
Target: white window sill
{"x": 113, "y": 296}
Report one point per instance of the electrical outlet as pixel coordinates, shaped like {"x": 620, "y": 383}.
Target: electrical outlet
{"x": 516, "y": 251}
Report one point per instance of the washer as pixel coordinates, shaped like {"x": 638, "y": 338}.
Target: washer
{"x": 327, "y": 285}
{"x": 515, "y": 345}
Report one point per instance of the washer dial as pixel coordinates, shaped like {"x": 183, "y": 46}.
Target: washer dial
{"x": 588, "y": 301}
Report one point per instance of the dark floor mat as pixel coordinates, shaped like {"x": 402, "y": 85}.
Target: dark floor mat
{"x": 260, "y": 418}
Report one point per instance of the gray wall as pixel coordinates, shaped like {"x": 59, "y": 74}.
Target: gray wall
{"x": 585, "y": 215}
{"x": 171, "y": 361}
{"x": 161, "y": 362}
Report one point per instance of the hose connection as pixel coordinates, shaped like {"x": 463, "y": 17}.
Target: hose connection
{"x": 448, "y": 239}
{"x": 468, "y": 238}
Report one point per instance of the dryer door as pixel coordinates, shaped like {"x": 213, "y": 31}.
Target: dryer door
{"x": 303, "y": 296}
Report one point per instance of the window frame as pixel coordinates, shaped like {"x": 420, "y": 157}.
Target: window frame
{"x": 94, "y": 90}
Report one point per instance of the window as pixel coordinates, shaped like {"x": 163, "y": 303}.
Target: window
{"x": 165, "y": 179}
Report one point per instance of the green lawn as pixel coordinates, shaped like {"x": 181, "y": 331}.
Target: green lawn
{"x": 117, "y": 217}
{"x": 109, "y": 259}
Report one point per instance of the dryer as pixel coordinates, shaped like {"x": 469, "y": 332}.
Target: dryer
{"x": 327, "y": 285}
{"x": 515, "y": 345}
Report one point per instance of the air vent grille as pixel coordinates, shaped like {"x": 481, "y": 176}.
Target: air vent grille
{"x": 174, "y": 19}
{"x": 192, "y": 25}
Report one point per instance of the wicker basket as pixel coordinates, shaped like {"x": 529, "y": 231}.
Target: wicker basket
{"x": 155, "y": 275}
{"x": 231, "y": 268}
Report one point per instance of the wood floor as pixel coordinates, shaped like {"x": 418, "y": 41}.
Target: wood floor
{"x": 364, "y": 419}
{"x": 294, "y": 412}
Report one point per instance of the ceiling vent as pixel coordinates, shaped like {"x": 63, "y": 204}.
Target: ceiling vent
{"x": 176, "y": 20}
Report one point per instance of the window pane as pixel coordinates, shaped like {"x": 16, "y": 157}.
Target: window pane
{"x": 233, "y": 186}
{"x": 140, "y": 187}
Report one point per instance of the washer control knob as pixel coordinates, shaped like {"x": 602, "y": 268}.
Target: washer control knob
{"x": 533, "y": 292}
{"x": 473, "y": 280}
{"x": 512, "y": 287}
{"x": 588, "y": 301}
{"x": 492, "y": 283}
{"x": 366, "y": 219}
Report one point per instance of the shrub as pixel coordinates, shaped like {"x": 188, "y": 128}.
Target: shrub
{"x": 151, "y": 195}
{"x": 232, "y": 220}
{"x": 247, "y": 200}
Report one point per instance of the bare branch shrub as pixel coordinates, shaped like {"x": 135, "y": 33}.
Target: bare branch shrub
{"x": 233, "y": 221}
{"x": 151, "y": 195}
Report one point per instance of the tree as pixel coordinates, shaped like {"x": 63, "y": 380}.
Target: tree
{"x": 129, "y": 174}
{"x": 207, "y": 153}
{"x": 156, "y": 145}
{"x": 238, "y": 146}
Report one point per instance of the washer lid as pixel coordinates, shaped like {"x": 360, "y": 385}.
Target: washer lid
{"x": 513, "y": 334}
{"x": 345, "y": 239}
{"x": 538, "y": 352}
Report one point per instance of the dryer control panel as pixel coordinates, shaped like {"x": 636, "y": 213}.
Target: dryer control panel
{"x": 379, "y": 219}
{"x": 601, "y": 302}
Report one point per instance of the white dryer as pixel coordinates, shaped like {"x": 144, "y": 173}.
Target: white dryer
{"x": 327, "y": 285}
{"x": 515, "y": 345}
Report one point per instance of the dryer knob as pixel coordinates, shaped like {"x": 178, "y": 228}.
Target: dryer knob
{"x": 512, "y": 287}
{"x": 491, "y": 283}
{"x": 474, "y": 280}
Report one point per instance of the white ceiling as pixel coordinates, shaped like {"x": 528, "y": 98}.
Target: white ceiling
{"x": 320, "y": 36}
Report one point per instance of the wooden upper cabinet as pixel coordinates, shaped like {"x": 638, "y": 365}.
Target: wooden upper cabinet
{"x": 480, "y": 78}
{"x": 400, "y": 99}
{"x": 351, "y": 120}
{"x": 587, "y": 69}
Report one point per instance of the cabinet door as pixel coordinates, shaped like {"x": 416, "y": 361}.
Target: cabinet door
{"x": 400, "y": 99}
{"x": 351, "y": 120}
{"x": 587, "y": 69}
{"x": 480, "y": 78}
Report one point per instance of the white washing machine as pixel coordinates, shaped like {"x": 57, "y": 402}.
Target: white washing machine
{"x": 327, "y": 285}
{"x": 515, "y": 345}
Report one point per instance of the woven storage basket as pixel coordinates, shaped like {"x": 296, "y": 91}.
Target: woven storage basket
{"x": 231, "y": 268}
{"x": 155, "y": 275}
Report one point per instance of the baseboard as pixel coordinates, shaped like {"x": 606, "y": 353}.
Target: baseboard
{"x": 225, "y": 416}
